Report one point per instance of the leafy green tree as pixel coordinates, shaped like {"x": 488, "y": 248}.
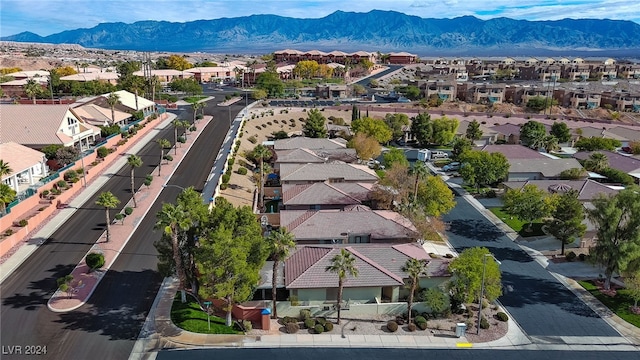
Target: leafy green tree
{"x": 617, "y": 219}
{"x": 566, "y": 222}
{"x": 171, "y": 220}
{"x": 396, "y": 122}
{"x": 64, "y": 284}
{"x": 415, "y": 269}
{"x": 281, "y": 243}
{"x": 444, "y": 129}
{"x": 532, "y": 134}
{"x": 108, "y": 201}
{"x": 573, "y": 174}
{"x": 561, "y": 131}
{"x": 596, "y": 144}
{"x": 134, "y": 161}
{"x": 94, "y": 260}
{"x": 186, "y": 85}
{"x": 435, "y": 197}
{"x": 259, "y": 94}
{"x": 527, "y": 204}
{"x": 422, "y": 129}
{"x": 315, "y": 125}
{"x": 467, "y": 272}
{"x": 270, "y": 82}
{"x": 163, "y": 144}
{"x": 473, "y": 130}
{"x": 366, "y": 146}
{"x": 436, "y": 300}
{"x": 7, "y": 195}
{"x": 460, "y": 145}
{"x": 376, "y": 128}
{"x": 51, "y": 150}
{"x": 632, "y": 283}
{"x": 394, "y": 155}
{"x": 306, "y": 69}
{"x": 231, "y": 253}
{"x": 483, "y": 168}
{"x": 596, "y": 162}
{"x": 358, "y": 89}
{"x": 343, "y": 264}
{"x": 539, "y": 103}
{"x": 617, "y": 176}
{"x": 113, "y": 99}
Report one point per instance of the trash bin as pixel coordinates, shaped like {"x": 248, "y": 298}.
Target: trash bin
{"x": 460, "y": 329}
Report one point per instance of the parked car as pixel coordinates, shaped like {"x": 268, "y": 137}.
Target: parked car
{"x": 454, "y": 166}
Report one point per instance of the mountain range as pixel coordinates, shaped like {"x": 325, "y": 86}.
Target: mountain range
{"x": 349, "y": 31}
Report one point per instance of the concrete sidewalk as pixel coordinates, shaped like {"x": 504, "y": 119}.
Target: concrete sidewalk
{"x": 85, "y": 282}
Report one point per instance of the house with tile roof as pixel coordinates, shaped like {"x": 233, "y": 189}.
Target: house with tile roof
{"x": 354, "y": 224}
{"x": 624, "y": 163}
{"x": 509, "y": 133}
{"x": 318, "y": 156}
{"x": 380, "y": 276}
{"x": 27, "y": 165}
{"x": 302, "y": 142}
{"x": 587, "y": 189}
{"x": 489, "y": 136}
{"x": 324, "y": 195}
{"x": 96, "y": 115}
{"x": 310, "y": 173}
{"x": 37, "y": 126}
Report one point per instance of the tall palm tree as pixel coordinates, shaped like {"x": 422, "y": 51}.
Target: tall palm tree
{"x": 597, "y": 162}
{"x": 281, "y": 243}
{"x": 7, "y": 195}
{"x": 415, "y": 269}
{"x": 164, "y": 144}
{"x": 113, "y": 99}
{"x": 176, "y": 124}
{"x": 420, "y": 170}
{"x": 32, "y": 88}
{"x": 342, "y": 264}
{"x": 135, "y": 162}
{"x": 196, "y": 106}
{"x": 262, "y": 153}
{"x": 108, "y": 201}
{"x": 550, "y": 143}
{"x": 5, "y": 169}
{"x": 172, "y": 219}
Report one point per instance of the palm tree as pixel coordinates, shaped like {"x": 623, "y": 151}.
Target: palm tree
{"x": 597, "y": 162}
{"x": 32, "y": 89}
{"x": 176, "y": 124}
{"x": 5, "y": 169}
{"x": 7, "y": 195}
{"x": 108, "y": 201}
{"x": 420, "y": 170}
{"x": 281, "y": 243}
{"x": 163, "y": 143}
{"x": 135, "y": 162}
{"x": 261, "y": 153}
{"x": 196, "y": 106}
{"x": 113, "y": 99}
{"x": 172, "y": 219}
{"x": 550, "y": 143}
{"x": 415, "y": 269}
{"x": 342, "y": 264}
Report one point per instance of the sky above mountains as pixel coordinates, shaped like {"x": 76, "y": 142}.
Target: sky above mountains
{"x": 46, "y": 17}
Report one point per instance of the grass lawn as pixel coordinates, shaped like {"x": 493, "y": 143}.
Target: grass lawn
{"x": 518, "y": 225}
{"x": 619, "y": 304}
{"x": 190, "y": 317}
{"x": 193, "y": 99}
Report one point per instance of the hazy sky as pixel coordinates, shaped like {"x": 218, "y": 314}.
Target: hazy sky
{"x": 45, "y": 17}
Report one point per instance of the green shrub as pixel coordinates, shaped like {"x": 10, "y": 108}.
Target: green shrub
{"x": 44, "y": 193}
{"x": 56, "y": 191}
{"x": 242, "y": 171}
{"x": 94, "y": 261}
{"x": 128, "y": 210}
{"x": 223, "y": 186}
{"x": 248, "y": 326}
{"x": 392, "y": 326}
{"x": 70, "y": 175}
{"x": 168, "y": 157}
{"x": 61, "y": 184}
{"x": 419, "y": 319}
{"x": 23, "y": 223}
{"x": 411, "y": 327}
{"x": 8, "y": 232}
{"x": 305, "y": 314}
{"x": 321, "y": 320}
{"x": 252, "y": 139}
{"x": 230, "y": 162}
{"x": 571, "y": 256}
{"x": 309, "y": 323}
{"x": 147, "y": 182}
{"x": 292, "y": 328}
{"x": 484, "y": 324}
{"x": 226, "y": 178}
{"x": 422, "y": 325}
{"x": 328, "y": 326}
{"x": 102, "y": 152}
{"x": 319, "y": 329}
{"x": 119, "y": 217}
{"x": 289, "y": 319}
{"x": 182, "y": 139}
{"x": 502, "y": 316}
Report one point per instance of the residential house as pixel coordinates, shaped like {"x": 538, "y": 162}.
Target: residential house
{"x": 507, "y": 133}
{"x": 629, "y": 71}
{"x": 15, "y": 88}
{"x": 28, "y": 165}
{"x": 587, "y": 189}
{"x": 575, "y": 72}
{"x": 109, "y": 77}
{"x": 310, "y": 173}
{"x": 130, "y": 102}
{"x": 309, "y": 143}
{"x": 627, "y": 164}
{"x": 489, "y": 136}
{"x": 324, "y": 195}
{"x": 380, "y": 276}
{"x": 213, "y": 74}
{"x": 37, "y": 126}
{"x": 593, "y": 132}
{"x": 622, "y": 100}
{"x": 582, "y": 99}
{"x": 320, "y": 156}
{"x": 445, "y": 90}
{"x": 402, "y": 58}
{"x": 96, "y": 115}
{"x": 482, "y": 93}
{"x": 166, "y": 76}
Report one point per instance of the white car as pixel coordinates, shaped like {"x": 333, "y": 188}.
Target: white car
{"x": 454, "y": 166}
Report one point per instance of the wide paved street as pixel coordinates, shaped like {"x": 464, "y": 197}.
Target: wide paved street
{"x": 538, "y": 302}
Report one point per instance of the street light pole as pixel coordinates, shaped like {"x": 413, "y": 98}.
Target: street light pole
{"x": 484, "y": 270}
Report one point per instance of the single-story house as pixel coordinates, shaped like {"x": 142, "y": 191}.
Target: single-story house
{"x": 489, "y": 136}
{"x": 587, "y": 189}
{"x": 27, "y": 165}
{"x": 96, "y": 115}
{"x": 324, "y": 195}
{"x": 380, "y": 276}
{"x": 307, "y": 156}
{"x": 309, "y": 143}
{"x": 310, "y": 173}
{"x": 539, "y": 169}
{"x": 353, "y": 225}
{"x": 627, "y": 164}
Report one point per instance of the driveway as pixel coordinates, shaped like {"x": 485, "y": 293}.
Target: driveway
{"x": 542, "y": 305}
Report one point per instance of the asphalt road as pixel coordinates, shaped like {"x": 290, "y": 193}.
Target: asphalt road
{"x": 386, "y": 354}
{"x": 108, "y": 325}
{"x": 538, "y": 302}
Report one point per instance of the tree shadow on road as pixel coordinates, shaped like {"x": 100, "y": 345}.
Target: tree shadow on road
{"x": 42, "y": 290}
{"x": 475, "y": 229}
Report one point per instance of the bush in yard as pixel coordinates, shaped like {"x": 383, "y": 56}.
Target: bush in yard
{"x": 288, "y": 319}
{"x": 328, "y": 326}
{"x": 70, "y": 175}
{"x": 94, "y": 261}
{"x": 230, "y": 161}
{"x": 484, "y": 324}
{"x": 392, "y": 326}
{"x": 419, "y": 319}
{"x": 571, "y": 256}
{"x": 247, "y": 325}
{"x": 321, "y": 320}
{"x": 309, "y": 323}
{"x": 23, "y": 223}
{"x": 223, "y": 186}
{"x": 102, "y": 152}
{"x": 305, "y": 314}
{"x": 242, "y": 171}
{"x": 411, "y": 327}
{"x": 61, "y": 184}
{"x": 193, "y": 128}
{"x": 319, "y": 329}
{"x": 422, "y": 325}
{"x": 502, "y": 316}
{"x": 226, "y": 178}
{"x": 44, "y": 193}
{"x": 8, "y": 232}
{"x": 292, "y": 328}
{"x": 128, "y": 211}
